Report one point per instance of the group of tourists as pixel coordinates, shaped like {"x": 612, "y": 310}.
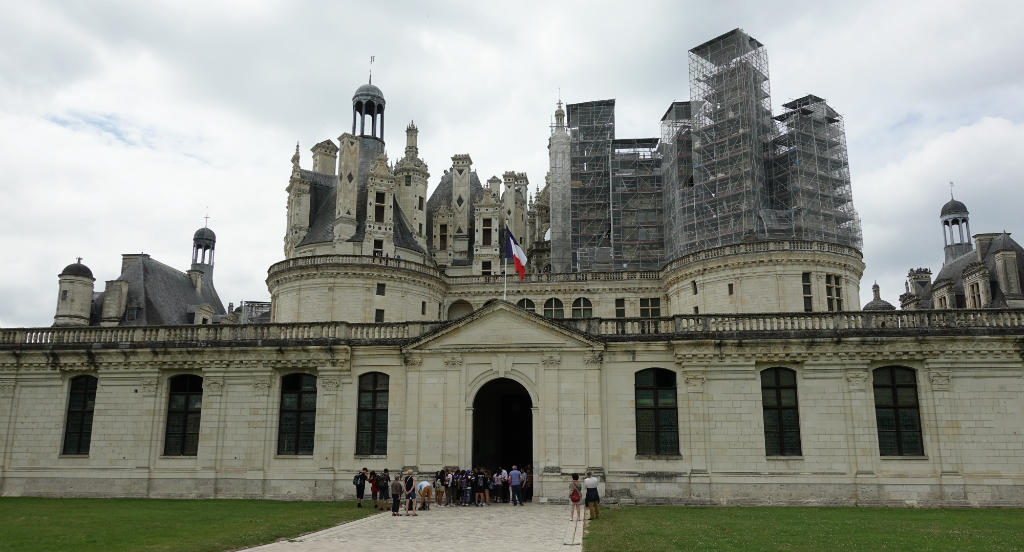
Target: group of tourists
{"x": 472, "y": 487}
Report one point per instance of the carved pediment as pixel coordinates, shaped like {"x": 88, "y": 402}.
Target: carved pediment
{"x": 501, "y": 325}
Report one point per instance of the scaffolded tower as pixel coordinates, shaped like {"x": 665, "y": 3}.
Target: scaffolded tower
{"x": 637, "y": 218}
{"x": 810, "y": 171}
{"x": 732, "y": 127}
{"x": 591, "y": 132}
{"x": 676, "y": 154}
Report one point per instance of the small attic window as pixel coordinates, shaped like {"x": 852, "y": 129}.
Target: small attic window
{"x": 64, "y": 295}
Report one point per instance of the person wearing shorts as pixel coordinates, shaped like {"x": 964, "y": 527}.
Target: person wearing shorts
{"x": 360, "y": 487}
{"x": 424, "y": 491}
{"x": 410, "y": 493}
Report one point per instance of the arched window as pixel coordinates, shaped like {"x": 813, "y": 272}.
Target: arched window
{"x": 298, "y": 414}
{"x": 581, "y": 308}
{"x": 184, "y": 405}
{"x": 78, "y": 424}
{"x": 372, "y": 423}
{"x": 657, "y": 426}
{"x": 781, "y": 416}
{"x": 526, "y": 304}
{"x": 553, "y": 308}
{"x": 896, "y": 412}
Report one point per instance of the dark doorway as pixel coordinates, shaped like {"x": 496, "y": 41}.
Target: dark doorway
{"x": 502, "y": 425}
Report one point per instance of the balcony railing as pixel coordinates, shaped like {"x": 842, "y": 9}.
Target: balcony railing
{"x": 941, "y": 322}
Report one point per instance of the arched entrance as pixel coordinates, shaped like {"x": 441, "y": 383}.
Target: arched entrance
{"x": 502, "y": 425}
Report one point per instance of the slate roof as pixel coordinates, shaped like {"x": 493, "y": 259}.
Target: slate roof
{"x": 953, "y": 207}
{"x": 953, "y": 270}
{"x": 323, "y": 199}
{"x": 443, "y": 196}
{"x": 159, "y": 294}
{"x": 76, "y": 269}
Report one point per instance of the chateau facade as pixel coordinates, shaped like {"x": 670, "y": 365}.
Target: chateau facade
{"x": 687, "y": 329}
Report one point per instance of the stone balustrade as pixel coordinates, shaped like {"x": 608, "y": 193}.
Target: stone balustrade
{"x": 367, "y": 260}
{"x": 894, "y": 323}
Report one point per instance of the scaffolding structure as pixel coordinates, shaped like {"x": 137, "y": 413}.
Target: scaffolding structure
{"x": 732, "y": 127}
{"x": 676, "y": 152}
{"x": 811, "y": 171}
{"x": 591, "y": 132}
{"x": 637, "y": 216}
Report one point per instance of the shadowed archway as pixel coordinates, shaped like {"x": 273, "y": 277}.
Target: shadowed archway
{"x": 502, "y": 425}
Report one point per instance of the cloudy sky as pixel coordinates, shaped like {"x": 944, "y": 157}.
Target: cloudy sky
{"x": 123, "y": 124}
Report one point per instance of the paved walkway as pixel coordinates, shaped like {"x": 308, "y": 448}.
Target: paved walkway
{"x": 529, "y": 528}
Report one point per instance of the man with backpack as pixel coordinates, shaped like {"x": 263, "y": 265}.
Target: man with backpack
{"x": 360, "y": 482}
{"x": 383, "y": 484}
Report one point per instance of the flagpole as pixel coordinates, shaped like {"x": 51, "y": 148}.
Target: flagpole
{"x": 504, "y": 268}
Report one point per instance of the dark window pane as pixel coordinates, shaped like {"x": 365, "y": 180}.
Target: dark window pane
{"x": 382, "y": 399}
{"x": 290, "y": 401}
{"x": 71, "y": 441}
{"x": 177, "y": 402}
{"x": 645, "y": 420}
{"x": 788, "y": 397}
{"x": 786, "y": 377}
{"x": 909, "y": 420}
{"x": 76, "y": 401}
{"x": 380, "y": 443}
{"x": 645, "y": 443}
{"x": 790, "y": 420}
{"x": 286, "y": 443}
{"x": 883, "y": 396}
{"x": 176, "y": 423}
{"x": 771, "y": 443}
{"x": 192, "y": 423}
{"x": 769, "y": 398}
{"x": 668, "y": 442}
{"x": 906, "y": 396}
{"x": 191, "y": 445}
{"x": 380, "y": 420}
{"x": 886, "y": 419}
{"x": 365, "y": 399}
{"x": 308, "y": 382}
{"x": 664, "y": 378}
{"x": 791, "y": 443}
{"x": 771, "y": 420}
{"x": 667, "y": 419}
{"x": 645, "y": 378}
{"x": 887, "y": 443}
{"x": 363, "y": 443}
{"x": 308, "y": 401}
{"x": 305, "y": 443}
{"x": 883, "y": 376}
{"x": 904, "y": 376}
{"x": 307, "y": 422}
{"x": 767, "y": 378}
{"x": 195, "y": 402}
{"x": 364, "y": 420}
{"x": 289, "y": 420}
{"x": 172, "y": 445}
{"x": 645, "y": 397}
{"x": 912, "y": 445}
{"x": 666, "y": 397}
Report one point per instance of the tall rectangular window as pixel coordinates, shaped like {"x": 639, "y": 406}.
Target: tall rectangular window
{"x": 650, "y": 307}
{"x": 730, "y": 289}
{"x": 487, "y": 231}
{"x": 408, "y": 180}
{"x": 78, "y": 424}
{"x": 378, "y": 208}
{"x": 485, "y": 268}
{"x": 380, "y": 289}
{"x": 372, "y": 417}
{"x": 297, "y": 425}
{"x": 378, "y": 315}
{"x": 423, "y": 307}
{"x": 975, "y": 295}
{"x": 442, "y": 237}
{"x": 378, "y": 248}
{"x": 421, "y": 203}
{"x": 184, "y": 410}
{"x": 620, "y": 308}
{"x": 896, "y": 412}
{"x": 780, "y": 412}
{"x": 693, "y": 284}
{"x": 657, "y": 425}
{"x": 834, "y": 292}
{"x": 805, "y": 280}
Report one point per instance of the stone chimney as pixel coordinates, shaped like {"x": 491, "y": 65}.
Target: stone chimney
{"x": 325, "y": 157}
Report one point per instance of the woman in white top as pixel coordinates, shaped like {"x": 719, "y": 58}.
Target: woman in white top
{"x": 592, "y": 500}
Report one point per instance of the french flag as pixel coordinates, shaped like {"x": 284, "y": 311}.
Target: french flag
{"x": 516, "y": 253}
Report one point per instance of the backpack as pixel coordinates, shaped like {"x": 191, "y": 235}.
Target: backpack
{"x": 355, "y": 480}
{"x": 574, "y": 496}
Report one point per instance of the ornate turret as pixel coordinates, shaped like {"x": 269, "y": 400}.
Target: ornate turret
{"x": 956, "y": 229}
{"x": 74, "y": 298}
{"x": 203, "y": 243}
{"x": 368, "y": 101}
{"x": 878, "y": 304}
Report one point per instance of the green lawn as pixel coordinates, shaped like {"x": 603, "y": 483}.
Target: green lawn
{"x": 657, "y": 528}
{"x": 85, "y": 524}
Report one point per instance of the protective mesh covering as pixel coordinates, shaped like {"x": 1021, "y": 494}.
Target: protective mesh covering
{"x": 811, "y": 174}
{"x": 676, "y": 151}
{"x": 637, "y": 217}
{"x": 732, "y": 127}
{"x": 591, "y": 132}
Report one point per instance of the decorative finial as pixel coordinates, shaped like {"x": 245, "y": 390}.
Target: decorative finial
{"x": 371, "y": 69}
{"x": 950, "y": 189}
{"x": 79, "y": 260}
{"x": 295, "y": 157}
{"x": 206, "y": 219}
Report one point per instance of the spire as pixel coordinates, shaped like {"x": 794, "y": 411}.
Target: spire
{"x": 295, "y": 157}
{"x": 876, "y": 291}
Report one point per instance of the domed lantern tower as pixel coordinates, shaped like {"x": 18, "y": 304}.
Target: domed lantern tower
{"x": 368, "y": 101}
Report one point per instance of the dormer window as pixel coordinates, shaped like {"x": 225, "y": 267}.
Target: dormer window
{"x": 378, "y": 209}
{"x": 487, "y": 231}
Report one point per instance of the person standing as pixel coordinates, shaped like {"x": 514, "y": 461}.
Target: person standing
{"x": 410, "y": 493}
{"x": 373, "y": 487}
{"x": 575, "y": 497}
{"x": 360, "y": 482}
{"x": 592, "y": 501}
{"x": 396, "y": 494}
{"x": 383, "y": 482}
{"x": 515, "y": 485}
